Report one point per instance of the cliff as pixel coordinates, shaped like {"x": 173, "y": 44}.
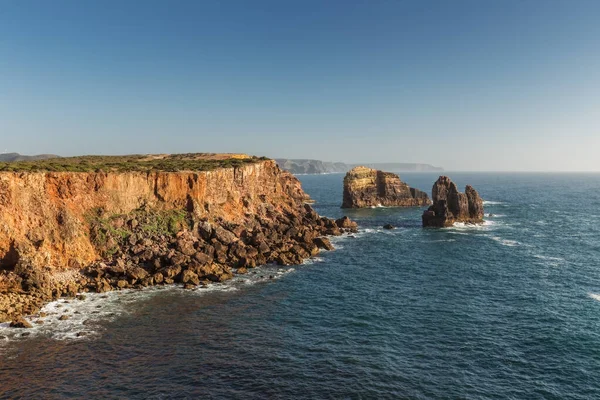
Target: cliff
{"x": 366, "y": 187}
{"x": 64, "y": 232}
{"x": 302, "y": 166}
{"x": 450, "y": 205}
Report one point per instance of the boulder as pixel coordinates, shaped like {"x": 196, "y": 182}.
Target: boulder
{"x": 367, "y": 187}
{"x": 346, "y": 223}
{"x": 20, "y": 322}
{"x": 189, "y": 277}
{"x": 389, "y": 226}
{"x": 323, "y": 243}
{"x": 137, "y": 273}
{"x": 450, "y": 205}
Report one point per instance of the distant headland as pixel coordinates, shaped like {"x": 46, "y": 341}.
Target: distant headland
{"x": 306, "y": 166}
{"x": 12, "y": 157}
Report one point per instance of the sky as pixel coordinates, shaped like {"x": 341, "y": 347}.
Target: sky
{"x": 466, "y": 85}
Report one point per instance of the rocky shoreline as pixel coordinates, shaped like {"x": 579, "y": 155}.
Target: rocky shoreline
{"x": 195, "y": 252}
{"x": 66, "y": 233}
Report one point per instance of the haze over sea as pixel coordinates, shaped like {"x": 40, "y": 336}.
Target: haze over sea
{"x": 510, "y": 309}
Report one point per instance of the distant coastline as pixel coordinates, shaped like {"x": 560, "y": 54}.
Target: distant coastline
{"x": 313, "y": 167}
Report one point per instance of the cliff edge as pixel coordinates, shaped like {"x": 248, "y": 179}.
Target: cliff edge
{"x": 144, "y": 220}
{"x": 367, "y": 187}
{"x": 450, "y": 205}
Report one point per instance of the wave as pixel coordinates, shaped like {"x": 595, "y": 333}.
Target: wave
{"x": 493, "y": 203}
{"x": 594, "y": 296}
{"x": 464, "y": 226}
{"x": 543, "y": 257}
{"x": 505, "y": 242}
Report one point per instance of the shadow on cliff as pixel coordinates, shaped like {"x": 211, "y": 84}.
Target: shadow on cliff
{"x": 10, "y": 259}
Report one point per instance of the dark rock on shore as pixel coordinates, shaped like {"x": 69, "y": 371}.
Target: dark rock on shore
{"x": 20, "y": 323}
{"x": 366, "y": 187}
{"x": 389, "y": 226}
{"x": 450, "y": 205}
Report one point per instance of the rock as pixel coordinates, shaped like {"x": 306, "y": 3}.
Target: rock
{"x": 122, "y": 283}
{"x": 186, "y": 247}
{"x": 366, "y": 187}
{"x": 242, "y": 270}
{"x": 450, "y": 205}
{"x": 224, "y": 236}
{"x": 346, "y": 223}
{"x": 137, "y": 273}
{"x": 323, "y": 243}
{"x": 158, "y": 278}
{"x": 171, "y": 272}
{"x": 20, "y": 322}
{"x": 389, "y": 226}
{"x": 63, "y": 317}
{"x": 81, "y": 297}
{"x": 188, "y": 276}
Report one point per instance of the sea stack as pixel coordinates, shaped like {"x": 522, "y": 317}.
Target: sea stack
{"x": 450, "y": 205}
{"x": 367, "y": 187}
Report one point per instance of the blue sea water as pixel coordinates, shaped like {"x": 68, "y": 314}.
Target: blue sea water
{"x": 506, "y": 310}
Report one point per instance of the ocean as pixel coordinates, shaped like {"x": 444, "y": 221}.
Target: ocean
{"x": 506, "y": 310}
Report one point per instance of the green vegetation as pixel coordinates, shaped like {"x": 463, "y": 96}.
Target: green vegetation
{"x": 109, "y": 232}
{"x": 131, "y": 163}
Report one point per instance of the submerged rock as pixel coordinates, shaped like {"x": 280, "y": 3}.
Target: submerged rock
{"x": 389, "y": 226}
{"x": 450, "y": 205}
{"x": 367, "y": 187}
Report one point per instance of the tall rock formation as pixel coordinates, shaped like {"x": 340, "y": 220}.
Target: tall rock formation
{"x": 366, "y": 187}
{"x": 450, "y": 205}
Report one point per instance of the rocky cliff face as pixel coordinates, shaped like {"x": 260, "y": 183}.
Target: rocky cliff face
{"x": 366, "y": 187}
{"x": 64, "y": 232}
{"x": 450, "y": 205}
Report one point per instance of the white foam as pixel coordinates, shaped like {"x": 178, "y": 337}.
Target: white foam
{"x": 464, "y": 226}
{"x": 84, "y": 316}
{"x": 594, "y": 296}
{"x": 505, "y": 242}
{"x": 492, "y": 203}
{"x": 543, "y": 257}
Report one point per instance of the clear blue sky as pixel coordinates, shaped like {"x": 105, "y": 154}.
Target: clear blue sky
{"x": 468, "y": 85}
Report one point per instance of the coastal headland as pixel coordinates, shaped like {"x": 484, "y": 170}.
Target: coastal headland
{"x": 100, "y": 223}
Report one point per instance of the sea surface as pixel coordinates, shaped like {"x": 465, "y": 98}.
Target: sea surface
{"x": 506, "y": 310}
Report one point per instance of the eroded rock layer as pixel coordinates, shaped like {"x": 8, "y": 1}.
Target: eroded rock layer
{"x": 450, "y": 205}
{"x": 366, "y": 187}
{"x": 67, "y": 232}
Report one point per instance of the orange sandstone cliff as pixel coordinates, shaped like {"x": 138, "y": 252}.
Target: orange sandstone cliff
{"x": 232, "y": 217}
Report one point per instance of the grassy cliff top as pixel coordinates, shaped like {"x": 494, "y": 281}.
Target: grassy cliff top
{"x": 133, "y": 163}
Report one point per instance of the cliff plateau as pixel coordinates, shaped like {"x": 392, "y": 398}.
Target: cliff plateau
{"x": 366, "y": 187}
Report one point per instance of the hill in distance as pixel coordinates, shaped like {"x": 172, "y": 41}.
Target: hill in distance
{"x": 11, "y": 157}
{"x": 302, "y": 166}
